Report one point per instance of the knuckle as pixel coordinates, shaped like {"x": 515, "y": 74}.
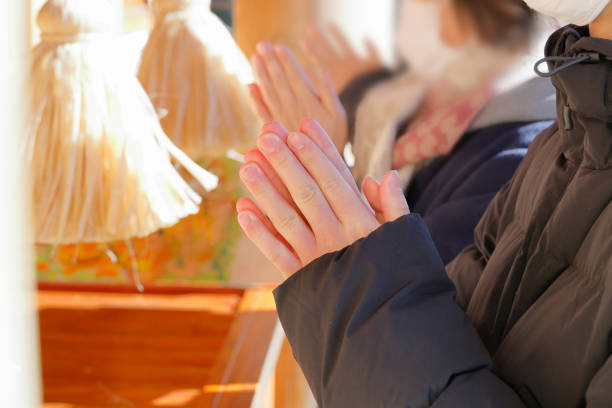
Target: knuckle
{"x": 356, "y": 230}
{"x": 281, "y": 158}
{"x": 288, "y": 222}
{"x": 331, "y": 186}
{"x": 257, "y": 188}
{"x": 325, "y": 142}
{"x": 307, "y": 194}
{"x": 276, "y": 258}
{"x": 327, "y": 146}
{"x": 366, "y": 228}
{"x": 328, "y": 243}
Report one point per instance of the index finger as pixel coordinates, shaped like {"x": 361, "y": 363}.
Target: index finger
{"x": 341, "y": 41}
{"x": 255, "y": 156}
{"x": 299, "y": 80}
{"x": 321, "y": 44}
{"x": 313, "y": 130}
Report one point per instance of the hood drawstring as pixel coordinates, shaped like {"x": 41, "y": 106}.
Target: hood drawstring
{"x": 571, "y": 61}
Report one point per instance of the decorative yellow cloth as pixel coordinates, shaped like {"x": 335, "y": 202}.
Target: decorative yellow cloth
{"x": 199, "y": 249}
{"x": 196, "y": 77}
{"x": 100, "y": 167}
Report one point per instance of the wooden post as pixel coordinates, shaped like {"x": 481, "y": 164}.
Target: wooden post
{"x": 274, "y": 20}
{"x": 288, "y": 21}
{"x": 18, "y": 338}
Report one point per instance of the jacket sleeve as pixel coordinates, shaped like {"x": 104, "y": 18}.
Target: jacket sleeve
{"x": 455, "y": 191}
{"x": 599, "y": 392}
{"x": 451, "y": 224}
{"x": 376, "y": 325}
{"x": 466, "y": 269}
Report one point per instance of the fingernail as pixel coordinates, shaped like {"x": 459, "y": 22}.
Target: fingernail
{"x": 268, "y": 143}
{"x": 297, "y": 140}
{"x": 264, "y": 46}
{"x": 279, "y": 49}
{"x": 244, "y": 219}
{"x": 250, "y": 172}
{"x": 370, "y": 178}
{"x": 256, "y": 60}
{"x": 394, "y": 180}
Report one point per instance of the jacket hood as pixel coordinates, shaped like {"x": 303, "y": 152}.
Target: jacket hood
{"x": 521, "y": 95}
{"x": 584, "y": 96}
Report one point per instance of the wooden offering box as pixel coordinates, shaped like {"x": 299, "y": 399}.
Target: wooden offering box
{"x": 113, "y": 347}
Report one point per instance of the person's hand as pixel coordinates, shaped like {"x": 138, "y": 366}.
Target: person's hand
{"x": 309, "y": 204}
{"x": 284, "y": 93}
{"x": 334, "y": 53}
{"x": 386, "y": 198}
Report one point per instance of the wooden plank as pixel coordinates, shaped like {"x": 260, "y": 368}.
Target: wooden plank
{"x": 161, "y": 341}
{"x": 103, "y": 349}
{"x": 291, "y": 388}
{"x": 148, "y": 289}
{"x": 136, "y": 322}
{"x": 210, "y": 303}
{"x": 129, "y": 349}
{"x": 235, "y": 377}
{"x": 127, "y": 394}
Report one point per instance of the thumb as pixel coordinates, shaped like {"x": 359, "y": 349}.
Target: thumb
{"x": 327, "y": 92}
{"x": 371, "y": 191}
{"x": 262, "y": 109}
{"x": 392, "y": 199}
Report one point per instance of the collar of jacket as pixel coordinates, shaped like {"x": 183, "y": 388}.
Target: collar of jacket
{"x": 584, "y": 96}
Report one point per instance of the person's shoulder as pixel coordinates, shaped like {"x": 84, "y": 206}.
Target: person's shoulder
{"x": 497, "y": 142}
{"x": 514, "y": 135}
{"x": 494, "y": 154}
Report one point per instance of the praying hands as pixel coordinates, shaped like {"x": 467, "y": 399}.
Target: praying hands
{"x": 284, "y": 93}
{"x": 309, "y": 204}
{"x": 332, "y": 51}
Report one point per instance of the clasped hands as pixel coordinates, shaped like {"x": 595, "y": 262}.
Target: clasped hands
{"x": 309, "y": 204}
{"x": 285, "y": 93}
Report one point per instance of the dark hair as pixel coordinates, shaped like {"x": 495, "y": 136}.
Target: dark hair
{"x": 498, "y": 21}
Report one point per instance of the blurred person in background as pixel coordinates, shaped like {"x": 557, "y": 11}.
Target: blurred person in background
{"x": 521, "y": 318}
{"x": 455, "y": 119}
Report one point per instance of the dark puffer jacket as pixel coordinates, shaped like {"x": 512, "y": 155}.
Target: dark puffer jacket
{"x": 526, "y": 316}
{"x": 452, "y": 192}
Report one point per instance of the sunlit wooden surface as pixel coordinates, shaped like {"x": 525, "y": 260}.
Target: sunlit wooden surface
{"x": 285, "y": 21}
{"x": 204, "y": 349}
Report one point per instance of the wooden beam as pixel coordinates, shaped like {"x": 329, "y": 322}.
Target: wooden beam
{"x": 236, "y": 377}
{"x": 204, "y": 349}
{"x": 148, "y": 289}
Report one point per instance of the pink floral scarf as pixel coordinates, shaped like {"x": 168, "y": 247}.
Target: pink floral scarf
{"x": 439, "y": 124}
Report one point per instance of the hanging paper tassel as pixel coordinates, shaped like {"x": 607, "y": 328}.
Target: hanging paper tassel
{"x": 196, "y": 77}
{"x": 100, "y": 166}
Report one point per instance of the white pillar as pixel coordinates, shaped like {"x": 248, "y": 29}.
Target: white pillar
{"x": 363, "y": 18}
{"x": 19, "y": 372}
{"x": 288, "y": 21}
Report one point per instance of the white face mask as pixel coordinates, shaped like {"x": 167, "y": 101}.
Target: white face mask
{"x": 418, "y": 41}
{"x": 579, "y": 12}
